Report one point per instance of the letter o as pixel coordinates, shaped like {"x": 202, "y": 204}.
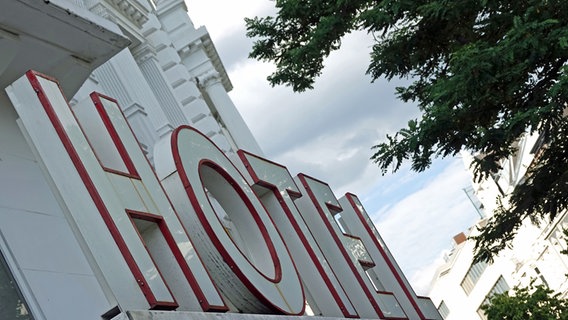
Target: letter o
{"x": 231, "y": 229}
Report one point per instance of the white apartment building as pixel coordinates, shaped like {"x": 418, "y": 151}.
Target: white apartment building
{"x": 131, "y": 188}
{"x": 460, "y": 287}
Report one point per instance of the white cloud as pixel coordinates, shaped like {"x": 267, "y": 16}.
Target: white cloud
{"x": 422, "y": 278}
{"x": 421, "y": 225}
{"x": 223, "y": 17}
{"x": 327, "y": 131}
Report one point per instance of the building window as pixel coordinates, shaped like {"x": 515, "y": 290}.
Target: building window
{"x": 472, "y": 276}
{"x": 443, "y": 310}
{"x": 443, "y": 273}
{"x": 499, "y": 287}
{"x": 12, "y": 304}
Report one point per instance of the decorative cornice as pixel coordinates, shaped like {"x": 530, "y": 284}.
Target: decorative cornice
{"x": 208, "y": 78}
{"x": 130, "y": 10}
{"x": 102, "y": 11}
{"x": 135, "y": 13}
{"x": 165, "y": 6}
{"x": 134, "y": 109}
{"x": 143, "y": 53}
{"x": 189, "y": 49}
{"x": 165, "y": 130}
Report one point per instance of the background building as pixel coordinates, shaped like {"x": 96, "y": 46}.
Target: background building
{"x": 460, "y": 287}
{"x": 84, "y": 217}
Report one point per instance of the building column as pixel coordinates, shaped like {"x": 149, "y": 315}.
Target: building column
{"x": 122, "y": 79}
{"x": 227, "y": 113}
{"x": 146, "y": 58}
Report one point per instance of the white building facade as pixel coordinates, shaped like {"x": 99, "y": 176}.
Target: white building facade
{"x": 460, "y": 287}
{"x": 131, "y": 188}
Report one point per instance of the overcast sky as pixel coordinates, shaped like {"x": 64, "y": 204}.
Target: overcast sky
{"x": 328, "y": 132}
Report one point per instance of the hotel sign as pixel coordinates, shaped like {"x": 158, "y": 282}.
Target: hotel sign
{"x": 193, "y": 234}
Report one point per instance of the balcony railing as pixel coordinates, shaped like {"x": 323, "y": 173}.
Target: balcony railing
{"x": 390, "y": 307}
{"x": 428, "y": 308}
